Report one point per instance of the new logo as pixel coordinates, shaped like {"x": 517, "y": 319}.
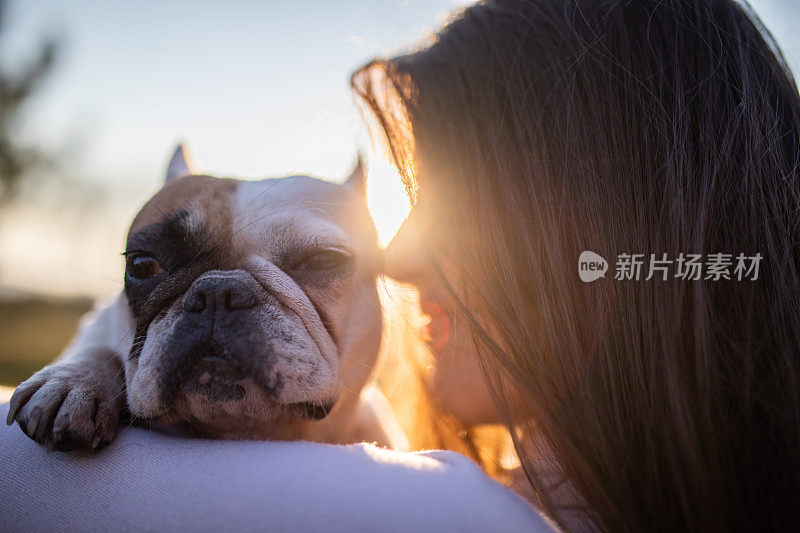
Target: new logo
{"x": 591, "y": 266}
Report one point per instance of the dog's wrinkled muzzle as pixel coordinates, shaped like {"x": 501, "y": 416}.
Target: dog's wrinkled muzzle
{"x": 232, "y": 334}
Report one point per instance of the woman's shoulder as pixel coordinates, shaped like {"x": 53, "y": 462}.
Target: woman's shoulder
{"x": 146, "y": 480}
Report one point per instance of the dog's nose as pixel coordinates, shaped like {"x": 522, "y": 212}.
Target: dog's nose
{"x": 218, "y": 294}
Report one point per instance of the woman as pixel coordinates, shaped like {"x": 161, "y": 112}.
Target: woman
{"x": 527, "y": 133}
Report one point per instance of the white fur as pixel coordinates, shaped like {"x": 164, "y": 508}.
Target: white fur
{"x": 109, "y": 326}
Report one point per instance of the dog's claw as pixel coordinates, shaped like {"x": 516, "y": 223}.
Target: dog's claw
{"x": 14, "y": 405}
{"x": 61, "y": 423}
{"x": 33, "y": 421}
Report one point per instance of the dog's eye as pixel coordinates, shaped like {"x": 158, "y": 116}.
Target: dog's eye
{"x": 141, "y": 266}
{"x": 324, "y": 260}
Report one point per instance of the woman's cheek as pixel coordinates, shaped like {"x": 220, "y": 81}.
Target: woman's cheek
{"x": 457, "y": 383}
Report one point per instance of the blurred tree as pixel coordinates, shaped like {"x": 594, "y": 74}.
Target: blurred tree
{"x": 16, "y": 87}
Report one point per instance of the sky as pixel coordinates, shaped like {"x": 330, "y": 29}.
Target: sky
{"x": 256, "y": 89}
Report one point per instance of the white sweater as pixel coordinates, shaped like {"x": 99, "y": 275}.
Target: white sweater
{"x": 146, "y": 481}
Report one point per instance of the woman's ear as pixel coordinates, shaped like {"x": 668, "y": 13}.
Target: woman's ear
{"x": 404, "y": 257}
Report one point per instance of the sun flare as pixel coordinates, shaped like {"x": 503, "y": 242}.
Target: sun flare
{"x": 387, "y": 198}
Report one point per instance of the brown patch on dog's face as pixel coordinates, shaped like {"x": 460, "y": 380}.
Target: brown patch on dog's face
{"x": 255, "y": 304}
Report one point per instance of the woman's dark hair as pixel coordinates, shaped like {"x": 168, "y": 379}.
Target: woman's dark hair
{"x": 530, "y": 131}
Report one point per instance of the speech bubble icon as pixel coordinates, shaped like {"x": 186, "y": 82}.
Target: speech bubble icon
{"x": 591, "y": 266}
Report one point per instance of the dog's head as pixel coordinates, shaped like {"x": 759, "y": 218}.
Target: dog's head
{"x": 254, "y": 303}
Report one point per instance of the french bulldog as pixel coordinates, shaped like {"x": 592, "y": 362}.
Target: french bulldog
{"x": 249, "y": 311}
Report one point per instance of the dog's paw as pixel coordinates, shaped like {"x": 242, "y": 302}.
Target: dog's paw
{"x": 73, "y": 405}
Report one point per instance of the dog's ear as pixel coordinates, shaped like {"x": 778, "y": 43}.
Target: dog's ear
{"x": 357, "y": 182}
{"x": 179, "y": 165}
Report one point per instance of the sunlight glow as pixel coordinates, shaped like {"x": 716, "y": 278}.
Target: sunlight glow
{"x": 386, "y": 197}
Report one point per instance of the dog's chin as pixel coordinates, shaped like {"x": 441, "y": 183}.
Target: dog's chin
{"x": 220, "y": 403}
